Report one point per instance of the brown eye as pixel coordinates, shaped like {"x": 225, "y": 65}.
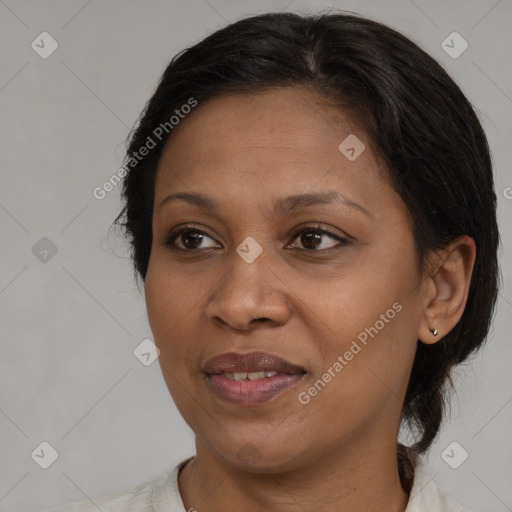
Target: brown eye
{"x": 190, "y": 239}
{"x": 312, "y": 239}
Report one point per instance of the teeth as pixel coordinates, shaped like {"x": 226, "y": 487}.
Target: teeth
{"x": 249, "y": 375}
{"x": 256, "y": 375}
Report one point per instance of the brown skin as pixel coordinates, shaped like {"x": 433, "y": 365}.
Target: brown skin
{"x": 339, "y": 450}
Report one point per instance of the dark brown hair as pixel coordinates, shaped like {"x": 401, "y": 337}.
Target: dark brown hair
{"x": 422, "y": 126}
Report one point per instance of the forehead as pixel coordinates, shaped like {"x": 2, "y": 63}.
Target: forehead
{"x": 262, "y": 145}
{"x": 284, "y": 119}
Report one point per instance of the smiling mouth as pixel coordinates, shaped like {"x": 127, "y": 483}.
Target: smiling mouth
{"x": 251, "y": 379}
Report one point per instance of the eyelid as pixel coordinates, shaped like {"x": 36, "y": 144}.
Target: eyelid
{"x": 319, "y": 227}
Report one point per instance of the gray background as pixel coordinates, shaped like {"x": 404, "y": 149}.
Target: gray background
{"x": 70, "y": 324}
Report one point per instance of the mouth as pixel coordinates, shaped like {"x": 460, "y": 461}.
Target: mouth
{"x": 251, "y": 379}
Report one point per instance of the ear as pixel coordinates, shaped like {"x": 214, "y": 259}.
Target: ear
{"x": 447, "y": 289}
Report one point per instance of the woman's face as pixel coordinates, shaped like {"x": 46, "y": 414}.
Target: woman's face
{"x": 343, "y": 305}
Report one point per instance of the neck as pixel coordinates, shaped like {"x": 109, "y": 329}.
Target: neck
{"x": 350, "y": 480}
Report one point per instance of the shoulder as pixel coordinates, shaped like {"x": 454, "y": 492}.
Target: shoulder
{"x": 426, "y": 496}
{"x": 154, "y": 495}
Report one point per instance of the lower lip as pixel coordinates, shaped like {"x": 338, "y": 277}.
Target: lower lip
{"x": 247, "y": 393}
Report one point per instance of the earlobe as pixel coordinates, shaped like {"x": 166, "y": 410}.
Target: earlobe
{"x": 428, "y": 333}
{"x": 449, "y": 288}
{"x": 433, "y": 331}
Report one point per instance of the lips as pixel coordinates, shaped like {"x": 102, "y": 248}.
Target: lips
{"x": 250, "y": 363}
{"x": 249, "y": 380}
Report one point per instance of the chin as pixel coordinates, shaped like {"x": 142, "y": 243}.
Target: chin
{"x": 255, "y": 458}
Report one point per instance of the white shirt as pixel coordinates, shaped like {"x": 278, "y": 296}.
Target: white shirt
{"x": 163, "y": 495}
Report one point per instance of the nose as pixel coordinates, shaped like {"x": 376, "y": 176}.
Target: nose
{"x": 249, "y": 296}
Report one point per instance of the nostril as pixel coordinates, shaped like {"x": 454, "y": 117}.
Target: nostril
{"x": 259, "y": 320}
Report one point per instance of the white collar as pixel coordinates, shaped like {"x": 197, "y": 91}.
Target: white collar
{"x": 425, "y": 495}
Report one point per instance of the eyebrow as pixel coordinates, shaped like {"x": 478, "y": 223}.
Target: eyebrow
{"x": 281, "y": 206}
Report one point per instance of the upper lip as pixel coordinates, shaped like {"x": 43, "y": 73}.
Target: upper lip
{"x": 232, "y": 362}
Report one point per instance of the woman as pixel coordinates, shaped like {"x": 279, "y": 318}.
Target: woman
{"x": 310, "y": 204}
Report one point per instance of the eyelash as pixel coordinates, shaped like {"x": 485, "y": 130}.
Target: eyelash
{"x": 171, "y": 238}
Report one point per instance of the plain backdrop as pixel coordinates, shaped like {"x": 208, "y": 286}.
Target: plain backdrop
{"x": 71, "y": 313}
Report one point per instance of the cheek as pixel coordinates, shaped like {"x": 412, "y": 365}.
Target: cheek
{"x": 372, "y": 319}
{"x": 167, "y": 301}
{"x": 369, "y": 382}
